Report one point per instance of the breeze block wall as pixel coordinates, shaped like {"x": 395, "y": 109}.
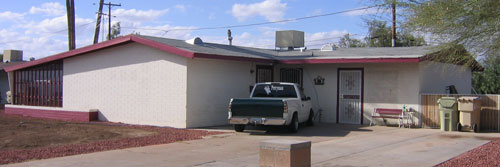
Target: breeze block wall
{"x": 130, "y": 83}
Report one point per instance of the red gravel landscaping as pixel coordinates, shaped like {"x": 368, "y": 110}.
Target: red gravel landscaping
{"x": 485, "y": 155}
{"x": 24, "y": 138}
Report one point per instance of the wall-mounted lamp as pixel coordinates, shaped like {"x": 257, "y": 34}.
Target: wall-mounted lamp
{"x": 319, "y": 80}
{"x": 251, "y": 71}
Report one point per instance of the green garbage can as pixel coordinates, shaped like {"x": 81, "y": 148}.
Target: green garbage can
{"x": 448, "y": 111}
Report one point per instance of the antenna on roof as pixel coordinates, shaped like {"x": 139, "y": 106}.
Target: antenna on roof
{"x": 229, "y": 37}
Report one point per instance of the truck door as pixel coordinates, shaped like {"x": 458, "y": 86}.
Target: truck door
{"x": 305, "y": 106}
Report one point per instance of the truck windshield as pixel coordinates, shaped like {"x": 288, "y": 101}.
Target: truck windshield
{"x": 270, "y": 90}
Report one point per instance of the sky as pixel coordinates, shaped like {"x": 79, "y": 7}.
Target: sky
{"x": 39, "y": 27}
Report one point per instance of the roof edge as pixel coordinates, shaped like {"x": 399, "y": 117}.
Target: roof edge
{"x": 71, "y": 53}
{"x": 235, "y": 58}
{"x": 163, "y": 47}
{"x": 357, "y": 60}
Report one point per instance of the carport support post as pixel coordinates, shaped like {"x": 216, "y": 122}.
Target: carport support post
{"x": 285, "y": 153}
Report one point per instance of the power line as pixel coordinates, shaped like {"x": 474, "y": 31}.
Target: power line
{"x": 322, "y": 39}
{"x": 255, "y": 24}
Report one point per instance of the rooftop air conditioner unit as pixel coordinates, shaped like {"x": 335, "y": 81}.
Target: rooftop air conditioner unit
{"x": 289, "y": 39}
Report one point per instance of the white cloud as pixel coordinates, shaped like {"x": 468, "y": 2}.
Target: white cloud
{"x": 272, "y": 10}
{"x": 181, "y": 8}
{"x": 316, "y": 39}
{"x": 138, "y": 16}
{"x": 57, "y": 25}
{"x": 362, "y": 12}
{"x": 49, "y": 8}
{"x": 8, "y": 15}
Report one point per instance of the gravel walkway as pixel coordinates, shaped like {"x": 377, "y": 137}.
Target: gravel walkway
{"x": 485, "y": 155}
{"x": 163, "y": 136}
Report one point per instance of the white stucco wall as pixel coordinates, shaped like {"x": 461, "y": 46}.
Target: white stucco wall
{"x": 390, "y": 85}
{"x": 434, "y": 77}
{"x": 130, "y": 83}
{"x": 211, "y": 84}
{"x": 386, "y": 85}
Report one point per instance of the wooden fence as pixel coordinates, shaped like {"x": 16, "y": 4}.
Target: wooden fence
{"x": 489, "y": 111}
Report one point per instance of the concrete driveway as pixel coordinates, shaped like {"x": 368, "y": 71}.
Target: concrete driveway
{"x": 333, "y": 145}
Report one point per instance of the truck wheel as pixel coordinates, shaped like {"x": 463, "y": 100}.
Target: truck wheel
{"x": 459, "y": 127}
{"x": 294, "y": 125}
{"x": 310, "y": 121}
{"x": 474, "y": 127}
{"x": 239, "y": 128}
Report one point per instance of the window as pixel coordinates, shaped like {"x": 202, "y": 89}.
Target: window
{"x": 264, "y": 73}
{"x": 39, "y": 85}
{"x": 274, "y": 90}
{"x": 292, "y": 75}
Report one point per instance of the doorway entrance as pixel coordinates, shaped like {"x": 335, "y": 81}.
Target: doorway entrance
{"x": 350, "y": 96}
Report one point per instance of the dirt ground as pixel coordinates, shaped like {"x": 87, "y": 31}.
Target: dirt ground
{"x": 18, "y": 132}
{"x": 485, "y": 155}
{"x": 26, "y": 138}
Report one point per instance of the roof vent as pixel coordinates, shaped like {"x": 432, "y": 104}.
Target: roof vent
{"x": 328, "y": 47}
{"x": 303, "y": 49}
{"x": 195, "y": 41}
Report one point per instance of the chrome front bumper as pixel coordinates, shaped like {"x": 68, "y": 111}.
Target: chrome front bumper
{"x": 257, "y": 121}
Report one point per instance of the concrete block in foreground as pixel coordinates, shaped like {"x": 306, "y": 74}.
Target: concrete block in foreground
{"x": 285, "y": 153}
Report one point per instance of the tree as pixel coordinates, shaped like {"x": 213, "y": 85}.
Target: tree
{"x": 115, "y": 31}
{"x": 487, "y": 81}
{"x": 471, "y": 23}
{"x": 380, "y": 35}
{"x": 347, "y": 42}
{"x": 405, "y": 38}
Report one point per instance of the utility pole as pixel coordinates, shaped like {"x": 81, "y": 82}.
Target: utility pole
{"x": 109, "y": 17}
{"x": 393, "y": 23}
{"x": 98, "y": 23}
{"x": 70, "y": 13}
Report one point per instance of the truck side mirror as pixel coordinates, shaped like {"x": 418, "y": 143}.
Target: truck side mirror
{"x": 306, "y": 98}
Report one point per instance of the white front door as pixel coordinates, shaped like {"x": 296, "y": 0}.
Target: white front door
{"x": 350, "y": 96}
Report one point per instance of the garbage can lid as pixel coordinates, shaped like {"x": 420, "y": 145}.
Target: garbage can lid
{"x": 447, "y": 101}
{"x": 467, "y": 98}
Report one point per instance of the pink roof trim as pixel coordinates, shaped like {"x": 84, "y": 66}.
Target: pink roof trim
{"x": 191, "y": 55}
{"x": 71, "y": 53}
{"x": 364, "y": 60}
{"x": 163, "y": 47}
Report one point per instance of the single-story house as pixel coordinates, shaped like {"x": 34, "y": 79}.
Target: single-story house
{"x": 167, "y": 82}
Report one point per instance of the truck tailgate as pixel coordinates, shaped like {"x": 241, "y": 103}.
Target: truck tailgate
{"x": 257, "y": 107}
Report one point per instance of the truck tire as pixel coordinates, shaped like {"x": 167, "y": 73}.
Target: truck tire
{"x": 239, "y": 128}
{"x": 474, "y": 127}
{"x": 294, "y": 125}
{"x": 310, "y": 121}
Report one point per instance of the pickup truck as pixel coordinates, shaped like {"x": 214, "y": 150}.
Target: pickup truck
{"x": 272, "y": 103}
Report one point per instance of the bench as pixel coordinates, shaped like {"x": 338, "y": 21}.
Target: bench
{"x": 388, "y": 113}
